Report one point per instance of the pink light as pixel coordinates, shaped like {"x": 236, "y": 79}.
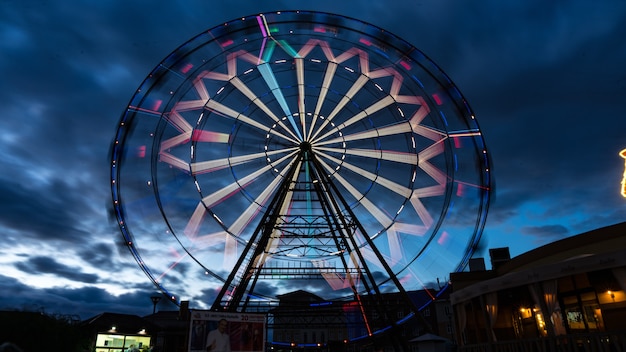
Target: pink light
{"x": 457, "y": 142}
{"x": 260, "y": 21}
{"x": 227, "y": 43}
{"x": 437, "y": 99}
{"x": 158, "y": 279}
{"x": 365, "y": 41}
{"x": 205, "y": 136}
{"x": 174, "y": 252}
{"x": 141, "y": 151}
{"x": 319, "y": 29}
{"x": 406, "y": 278}
{"x": 467, "y": 184}
{"x": 262, "y": 50}
{"x": 186, "y": 68}
{"x": 443, "y": 239}
{"x": 405, "y": 65}
{"x": 157, "y": 105}
{"x": 460, "y": 190}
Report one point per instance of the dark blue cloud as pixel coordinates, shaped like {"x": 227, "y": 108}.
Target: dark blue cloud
{"x": 41, "y": 265}
{"x": 43, "y": 213}
{"x": 82, "y": 302}
{"x": 546, "y": 233}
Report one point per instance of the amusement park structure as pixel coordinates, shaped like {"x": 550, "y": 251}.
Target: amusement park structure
{"x": 299, "y": 151}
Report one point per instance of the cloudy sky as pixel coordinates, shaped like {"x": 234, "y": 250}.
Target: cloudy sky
{"x": 546, "y": 81}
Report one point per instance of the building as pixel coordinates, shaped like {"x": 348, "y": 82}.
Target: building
{"x": 113, "y": 332}
{"x": 304, "y": 321}
{"x": 567, "y": 294}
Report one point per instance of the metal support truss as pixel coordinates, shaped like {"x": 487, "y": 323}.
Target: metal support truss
{"x": 332, "y": 230}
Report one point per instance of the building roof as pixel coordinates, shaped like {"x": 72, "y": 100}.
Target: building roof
{"x": 124, "y": 324}
{"x": 594, "y": 250}
{"x": 299, "y": 296}
{"x": 595, "y": 242}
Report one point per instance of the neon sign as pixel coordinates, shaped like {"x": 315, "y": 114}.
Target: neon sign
{"x": 623, "y": 155}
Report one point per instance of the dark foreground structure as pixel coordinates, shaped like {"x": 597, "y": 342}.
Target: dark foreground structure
{"x": 565, "y": 296}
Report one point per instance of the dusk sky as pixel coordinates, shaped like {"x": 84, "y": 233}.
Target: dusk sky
{"x": 546, "y": 81}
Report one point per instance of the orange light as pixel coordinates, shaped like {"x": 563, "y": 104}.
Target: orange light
{"x": 623, "y": 155}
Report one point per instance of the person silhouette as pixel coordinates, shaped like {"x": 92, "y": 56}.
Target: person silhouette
{"x": 218, "y": 340}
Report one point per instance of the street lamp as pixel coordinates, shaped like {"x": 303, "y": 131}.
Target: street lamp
{"x": 155, "y": 300}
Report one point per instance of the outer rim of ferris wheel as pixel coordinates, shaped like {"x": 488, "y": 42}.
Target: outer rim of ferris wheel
{"x": 208, "y": 136}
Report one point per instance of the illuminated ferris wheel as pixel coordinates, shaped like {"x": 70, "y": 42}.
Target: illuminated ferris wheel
{"x": 298, "y": 150}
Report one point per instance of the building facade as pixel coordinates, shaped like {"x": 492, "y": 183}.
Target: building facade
{"x": 568, "y": 294}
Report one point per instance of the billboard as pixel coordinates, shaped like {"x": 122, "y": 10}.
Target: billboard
{"x": 226, "y": 332}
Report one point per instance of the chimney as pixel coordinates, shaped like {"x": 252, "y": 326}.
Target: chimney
{"x": 499, "y": 256}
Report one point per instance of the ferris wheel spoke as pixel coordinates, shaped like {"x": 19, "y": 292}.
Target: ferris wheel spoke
{"x": 439, "y": 176}
{"x": 218, "y": 164}
{"x": 421, "y": 211}
{"x": 430, "y": 191}
{"x": 427, "y": 132}
{"x": 358, "y": 84}
{"x": 382, "y": 103}
{"x": 258, "y": 102}
{"x": 389, "y": 155}
{"x": 300, "y": 80}
{"x": 226, "y": 111}
{"x": 270, "y": 79}
{"x": 227, "y": 238}
{"x": 231, "y": 77}
{"x": 210, "y": 240}
{"x": 209, "y": 136}
{"x": 175, "y": 141}
{"x": 411, "y": 229}
{"x": 179, "y": 123}
{"x": 175, "y": 119}
{"x": 174, "y": 161}
{"x": 375, "y": 211}
{"x": 328, "y": 77}
{"x": 465, "y": 133}
{"x": 399, "y": 128}
{"x": 220, "y": 195}
{"x": 432, "y": 151}
{"x": 249, "y": 213}
{"x": 207, "y": 202}
{"x": 395, "y": 247}
{"x": 390, "y": 185}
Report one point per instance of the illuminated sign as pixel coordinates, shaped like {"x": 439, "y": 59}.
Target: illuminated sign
{"x": 623, "y": 155}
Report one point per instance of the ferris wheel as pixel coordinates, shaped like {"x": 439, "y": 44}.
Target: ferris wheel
{"x": 298, "y": 150}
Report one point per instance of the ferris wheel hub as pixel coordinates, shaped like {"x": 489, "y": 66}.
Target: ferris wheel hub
{"x": 305, "y": 146}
